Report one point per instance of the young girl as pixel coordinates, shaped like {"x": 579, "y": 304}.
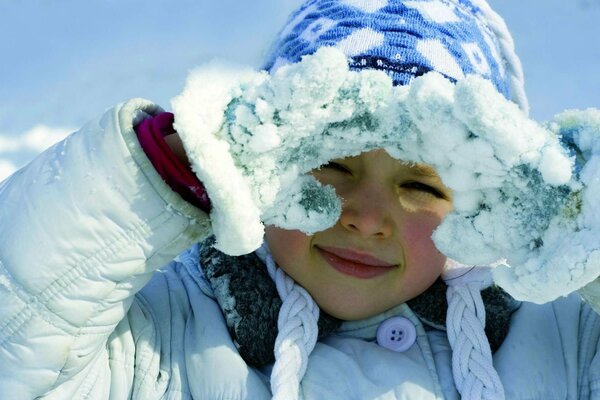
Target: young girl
{"x": 106, "y": 292}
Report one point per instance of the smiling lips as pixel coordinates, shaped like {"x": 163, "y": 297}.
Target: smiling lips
{"x": 353, "y": 263}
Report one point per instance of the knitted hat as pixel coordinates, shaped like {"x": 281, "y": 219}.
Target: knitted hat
{"x": 405, "y": 39}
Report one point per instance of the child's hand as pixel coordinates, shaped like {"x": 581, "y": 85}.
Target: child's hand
{"x": 523, "y": 192}
{"x": 580, "y": 133}
{"x": 565, "y": 256}
{"x": 253, "y": 138}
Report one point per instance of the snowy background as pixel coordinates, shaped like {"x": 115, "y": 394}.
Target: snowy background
{"x": 65, "y": 61}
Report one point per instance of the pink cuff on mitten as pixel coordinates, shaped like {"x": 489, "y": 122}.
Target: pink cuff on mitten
{"x": 177, "y": 175}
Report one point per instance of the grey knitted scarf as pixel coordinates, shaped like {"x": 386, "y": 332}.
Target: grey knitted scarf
{"x": 250, "y": 304}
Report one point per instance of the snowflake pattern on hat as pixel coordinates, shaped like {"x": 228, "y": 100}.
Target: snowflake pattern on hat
{"x": 403, "y": 38}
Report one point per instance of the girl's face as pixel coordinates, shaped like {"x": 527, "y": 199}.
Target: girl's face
{"x": 380, "y": 253}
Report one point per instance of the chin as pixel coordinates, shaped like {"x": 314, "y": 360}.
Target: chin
{"x": 353, "y": 314}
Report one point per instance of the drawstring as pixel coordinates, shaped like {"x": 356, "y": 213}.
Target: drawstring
{"x": 297, "y": 331}
{"x": 472, "y": 365}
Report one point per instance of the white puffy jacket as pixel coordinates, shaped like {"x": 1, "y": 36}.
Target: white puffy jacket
{"x": 87, "y": 312}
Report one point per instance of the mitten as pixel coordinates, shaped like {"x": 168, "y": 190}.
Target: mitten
{"x": 523, "y": 192}
{"x": 252, "y": 139}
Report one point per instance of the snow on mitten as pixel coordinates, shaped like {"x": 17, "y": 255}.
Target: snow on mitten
{"x": 580, "y": 133}
{"x": 252, "y": 139}
{"x": 514, "y": 191}
{"x": 566, "y": 254}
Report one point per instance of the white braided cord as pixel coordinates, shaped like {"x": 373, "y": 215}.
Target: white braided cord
{"x": 507, "y": 48}
{"x": 297, "y": 331}
{"x": 472, "y": 365}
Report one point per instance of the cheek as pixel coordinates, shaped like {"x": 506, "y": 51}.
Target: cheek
{"x": 287, "y": 247}
{"x": 416, "y": 235}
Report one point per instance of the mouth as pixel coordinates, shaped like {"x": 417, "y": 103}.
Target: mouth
{"x": 354, "y": 263}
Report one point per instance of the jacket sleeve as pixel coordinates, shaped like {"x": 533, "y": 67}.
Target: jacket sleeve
{"x": 588, "y": 342}
{"x": 82, "y": 228}
{"x": 591, "y": 294}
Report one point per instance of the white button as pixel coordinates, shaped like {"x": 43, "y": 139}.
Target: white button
{"x": 397, "y": 334}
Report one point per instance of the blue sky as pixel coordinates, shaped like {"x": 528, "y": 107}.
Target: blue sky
{"x": 65, "y": 61}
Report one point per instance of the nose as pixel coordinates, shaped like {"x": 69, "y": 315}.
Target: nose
{"x": 366, "y": 211}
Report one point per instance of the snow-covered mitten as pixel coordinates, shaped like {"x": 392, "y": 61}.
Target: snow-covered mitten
{"x": 252, "y": 139}
{"x": 580, "y": 133}
{"x": 522, "y": 191}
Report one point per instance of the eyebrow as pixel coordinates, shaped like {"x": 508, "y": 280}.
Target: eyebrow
{"x": 423, "y": 170}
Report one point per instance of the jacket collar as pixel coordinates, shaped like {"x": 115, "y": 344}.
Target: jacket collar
{"x": 250, "y": 304}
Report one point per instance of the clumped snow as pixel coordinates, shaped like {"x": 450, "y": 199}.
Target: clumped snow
{"x": 521, "y": 191}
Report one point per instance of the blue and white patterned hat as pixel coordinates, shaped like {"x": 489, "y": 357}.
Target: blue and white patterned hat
{"x": 404, "y": 38}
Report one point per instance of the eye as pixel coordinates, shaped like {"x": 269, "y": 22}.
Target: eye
{"x": 422, "y": 187}
{"x": 336, "y": 167}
